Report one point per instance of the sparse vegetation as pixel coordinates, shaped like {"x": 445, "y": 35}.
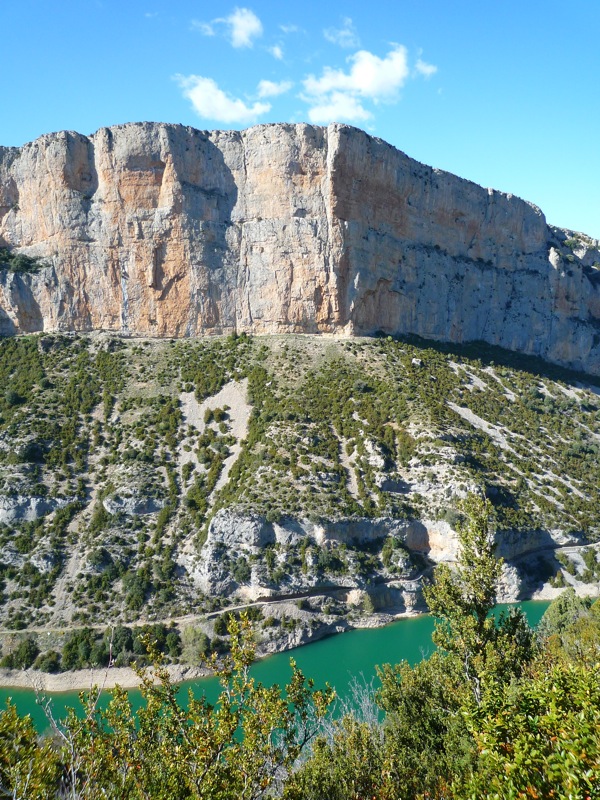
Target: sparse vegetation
{"x": 18, "y": 262}
{"x": 93, "y": 431}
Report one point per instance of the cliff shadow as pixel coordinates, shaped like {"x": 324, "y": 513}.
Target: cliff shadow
{"x": 387, "y": 599}
{"x": 7, "y": 326}
{"x": 207, "y": 194}
{"x": 535, "y": 572}
{"x": 514, "y": 543}
{"x": 29, "y": 318}
{"x": 79, "y": 171}
{"x": 288, "y": 530}
{"x": 417, "y": 538}
{"x": 492, "y": 355}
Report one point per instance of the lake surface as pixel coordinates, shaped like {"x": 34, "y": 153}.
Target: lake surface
{"x": 334, "y": 660}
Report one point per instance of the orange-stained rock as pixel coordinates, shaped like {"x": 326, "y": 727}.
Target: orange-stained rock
{"x": 162, "y": 230}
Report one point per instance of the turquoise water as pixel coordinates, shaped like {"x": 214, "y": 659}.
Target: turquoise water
{"x": 334, "y": 660}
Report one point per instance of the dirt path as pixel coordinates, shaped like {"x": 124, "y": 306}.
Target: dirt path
{"x": 128, "y": 678}
{"x": 284, "y": 598}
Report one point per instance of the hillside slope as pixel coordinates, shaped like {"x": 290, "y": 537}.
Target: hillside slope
{"x": 145, "y": 479}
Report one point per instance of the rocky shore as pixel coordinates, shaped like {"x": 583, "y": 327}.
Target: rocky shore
{"x": 306, "y": 632}
{"x": 127, "y": 678}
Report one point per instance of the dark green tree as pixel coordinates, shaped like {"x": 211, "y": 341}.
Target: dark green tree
{"x": 462, "y": 598}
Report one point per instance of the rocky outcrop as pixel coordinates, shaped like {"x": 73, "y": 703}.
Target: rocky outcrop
{"x": 231, "y": 535}
{"x": 17, "y": 507}
{"x": 162, "y": 230}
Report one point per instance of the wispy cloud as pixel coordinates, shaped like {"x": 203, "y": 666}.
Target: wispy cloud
{"x": 211, "y": 102}
{"x": 276, "y": 51}
{"x": 346, "y": 36}
{"x": 272, "y": 89}
{"x": 290, "y": 28}
{"x": 425, "y": 69}
{"x": 205, "y": 28}
{"x": 242, "y": 27}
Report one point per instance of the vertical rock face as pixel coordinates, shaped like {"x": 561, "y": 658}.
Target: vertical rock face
{"x": 162, "y": 230}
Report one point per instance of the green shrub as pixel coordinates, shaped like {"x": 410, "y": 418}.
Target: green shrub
{"x": 195, "y": 645}
{"x": 48, "y": 662}
{"x": 18, "y": 262}
{"x": 12, "y": 398}
{"x": 26, "y": 653}
{"x": 241, "y": 570}
{"x": 220, "y": 625}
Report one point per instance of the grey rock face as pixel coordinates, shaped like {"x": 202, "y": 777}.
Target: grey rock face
{"x": 162, "y": 230}
{"x": 132, "y": 506}
{"x": 19, "y": 507}
{"x": 231, "y": 535}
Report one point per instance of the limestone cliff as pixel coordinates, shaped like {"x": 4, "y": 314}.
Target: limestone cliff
{"x": 163, "y": 230}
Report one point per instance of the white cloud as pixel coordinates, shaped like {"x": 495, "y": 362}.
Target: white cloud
{"x": 345, "y": 36}
{"x": 338, "y": 96}
{"x": 213, "y": 103}
{"x": 369, "y": 76}
{"x": 290, "y": 28}
{"x": 425, "y": 69}
{"x": 272, "y": 89}
{"x": 276, "y": 51}
{"x": 338, "y": 107}
{"x": 243, "y": 26}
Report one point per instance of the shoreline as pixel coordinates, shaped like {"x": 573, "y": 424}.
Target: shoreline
{"x": 127, "y": 678}
{"x": 84, "y": 679}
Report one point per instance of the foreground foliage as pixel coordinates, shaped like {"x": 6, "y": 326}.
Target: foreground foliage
{"x": 493, "y": 713}
{"x": 539, "y": 738}
{"x": 237, "y": 748}
{"x": 490, "y": 714}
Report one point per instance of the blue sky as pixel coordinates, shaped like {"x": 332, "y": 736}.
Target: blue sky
{"x": 503, "y": 92}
